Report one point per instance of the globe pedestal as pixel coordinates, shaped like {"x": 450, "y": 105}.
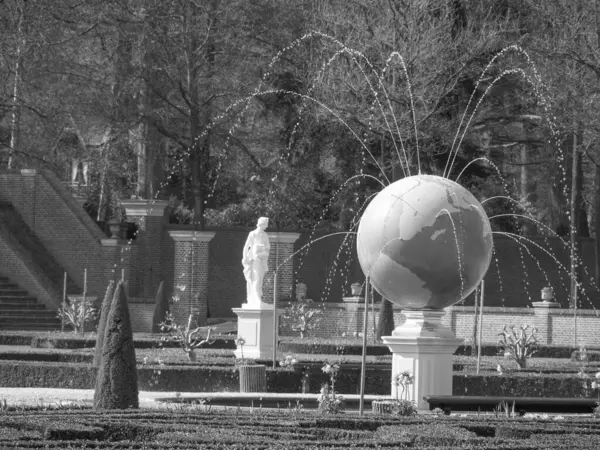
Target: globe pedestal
{"x": 424, "y": 347}
{"x": 255, "y": 327}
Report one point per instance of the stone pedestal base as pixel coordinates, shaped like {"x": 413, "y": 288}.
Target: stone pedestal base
{"x": 255, "y": 326}
{"x": 422, "y": 346}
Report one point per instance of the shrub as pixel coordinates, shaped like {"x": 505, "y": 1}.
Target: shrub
{"x": 518, "y": 344}
{"x": 189, "y": 338}
{"x": 303, "y": 316}
{"x": 77, "y": 313}
{"x": 110, "y": 292}
{"x": 116, "y": 382}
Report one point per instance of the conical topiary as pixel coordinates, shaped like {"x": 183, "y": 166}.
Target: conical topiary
{"x": 116, "y": 381}
{"x": 110, "y": 292}
{"x": 161, "y": 308}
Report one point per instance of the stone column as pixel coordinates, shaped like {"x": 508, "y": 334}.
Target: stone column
{"x": 424, "y": 347}
{"x": 149, "y": 216}
{"x": 255, "y": 327}
{"x": 190, "y": 275}
{"x": 282, "y": 247}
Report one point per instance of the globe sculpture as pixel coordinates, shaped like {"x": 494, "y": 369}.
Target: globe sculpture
{"x": 425, "y": 242}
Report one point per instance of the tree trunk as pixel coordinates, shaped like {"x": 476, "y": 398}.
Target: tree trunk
{"x": 576, "y": 186}
{"x": 597, "y": 213}
{"x": 529, "y": 227}
{"x": 16, "y": 107}
{"x": 385, "y": 324}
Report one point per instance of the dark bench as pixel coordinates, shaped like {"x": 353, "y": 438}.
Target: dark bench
{"x": 521, "y": 404}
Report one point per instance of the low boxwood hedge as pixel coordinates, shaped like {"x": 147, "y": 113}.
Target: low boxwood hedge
{"x": 286, "y": 429}
{"x": 225, "y": 379}
{"x": 341, "y": 348}
{"x": 79, "y": 342}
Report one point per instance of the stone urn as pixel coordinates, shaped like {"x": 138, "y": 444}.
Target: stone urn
{"x": 114, "y": 226}
{"x": 356, "y": 289}
{"x": 301, "y": 292}
{"x": 547, "y": 294}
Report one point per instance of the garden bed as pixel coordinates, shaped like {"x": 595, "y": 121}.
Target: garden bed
{"x": 288, "y": 428}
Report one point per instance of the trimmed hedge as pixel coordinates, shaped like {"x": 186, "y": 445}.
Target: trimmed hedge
{"x": 225, "y": 379}
{"x": 75, "y": 342}
{"x": 332, "y": 348}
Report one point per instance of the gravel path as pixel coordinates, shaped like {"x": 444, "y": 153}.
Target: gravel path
{"x": 51, "y": 396}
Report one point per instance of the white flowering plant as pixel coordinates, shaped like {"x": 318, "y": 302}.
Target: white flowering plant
{"x": 329, "y": 402}
{"x": 289, "y": 362}
{"x": 303, "y": 316}
{"x": 403, "y": 406}
{"x": 596, "y": 387}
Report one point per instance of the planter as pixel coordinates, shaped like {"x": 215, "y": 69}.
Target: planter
{"x": 383, "y": 406}
{"x": 115, "y": 229}
{"x": 395, "y": 407}
{"x": 356, "y": 289}
{"x": 253, "y": 378}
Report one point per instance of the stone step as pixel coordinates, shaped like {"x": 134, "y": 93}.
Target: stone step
{"x": 31, "y": 326}
{"x": 8, "y": 285}
{"x": 24, "y": 318}
{"x": 31, "y": 314}
{"x": 13, "y": 293}
{"x": 4, "y": 306}
{"x": 13, "y": 298}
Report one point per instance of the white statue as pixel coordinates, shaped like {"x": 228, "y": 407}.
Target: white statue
{"x": 255, "y": 260}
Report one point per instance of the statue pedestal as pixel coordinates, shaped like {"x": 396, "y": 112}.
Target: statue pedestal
{"x": 422, "y": 346}
{"x": 255, "y": 326}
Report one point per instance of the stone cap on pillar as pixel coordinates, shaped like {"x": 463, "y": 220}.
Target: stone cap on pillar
{"x": 192, "y": 235}
{"x": 544, "y": 305}
{"x": 144, "y": 208}
{"x": 283, "y": 237}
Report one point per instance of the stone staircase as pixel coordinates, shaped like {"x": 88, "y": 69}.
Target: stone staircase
{"x": 13, "y": 223}
{"x": 20, "y": 311}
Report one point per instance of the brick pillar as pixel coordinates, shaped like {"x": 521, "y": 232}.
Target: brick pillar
{"x": 118, "y": 257}
{"x": 190, "y": 277}
{"x": 280, "y": 260}
{"x": 541, "y": 320}
{"x": 147, "y": 273}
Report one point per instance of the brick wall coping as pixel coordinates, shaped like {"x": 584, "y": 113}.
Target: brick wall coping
{"x": 283, "y": 237}
{"x": 523, "y": 311}
{"x": 569, "y": 312}
{"x": 191, "y": 235}
{"x": 329, "y": 305}
{"x": 145, "y": 208}
{"x": 491, "y": 310}
{"x": 110, "y": 242}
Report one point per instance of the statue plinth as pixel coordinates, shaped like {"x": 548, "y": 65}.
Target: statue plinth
{"x": 424, "y": 347}
{"x": 255, "y": 326}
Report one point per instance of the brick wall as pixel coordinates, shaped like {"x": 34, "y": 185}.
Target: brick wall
{"x": 191, "y": 275}
{"x": 59, "y": 222}
{"x": 141, "y": 313}
{"x": 282, "y": 247}
{"x": 555, "y": 326}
